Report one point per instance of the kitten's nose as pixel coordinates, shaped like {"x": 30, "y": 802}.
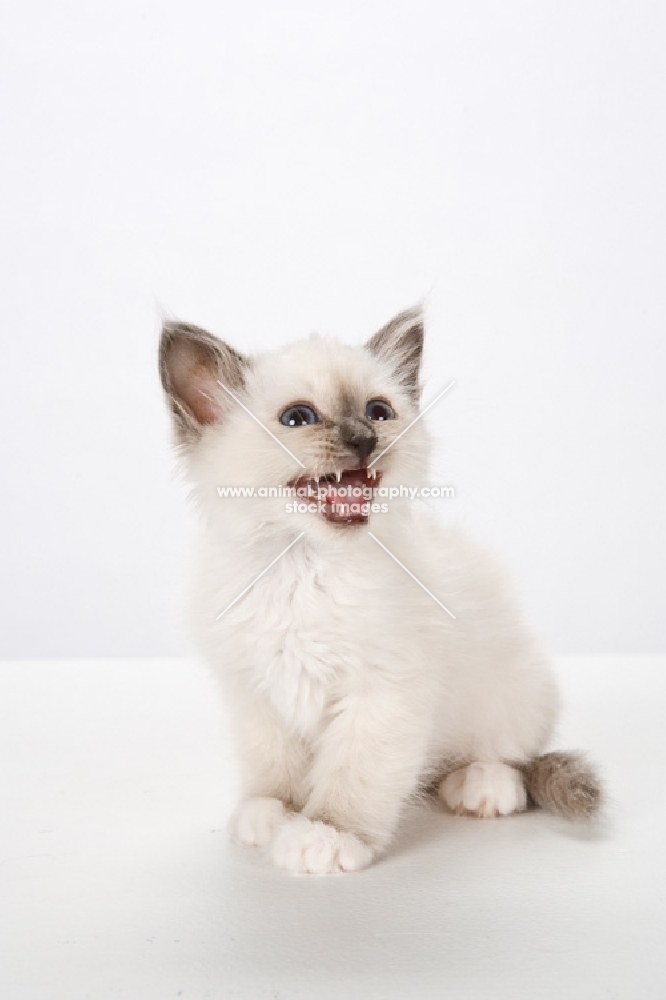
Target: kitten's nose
{"x": 357, "y": 434}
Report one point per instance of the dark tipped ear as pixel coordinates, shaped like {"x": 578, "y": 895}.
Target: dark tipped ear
{"x": 400, "y": 343}
{"x": 192, "y": 363}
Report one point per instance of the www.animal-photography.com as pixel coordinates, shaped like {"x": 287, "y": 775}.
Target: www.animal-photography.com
{"x": 334, "y": 649}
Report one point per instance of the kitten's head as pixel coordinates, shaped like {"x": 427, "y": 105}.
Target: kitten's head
{"x": 315, "y": 415}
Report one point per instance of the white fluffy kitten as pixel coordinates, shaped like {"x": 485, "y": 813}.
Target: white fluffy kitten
{"x": 350, "y": 688}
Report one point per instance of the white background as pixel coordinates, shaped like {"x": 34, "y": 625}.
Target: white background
{"x": 265, "y": 169}
{"x": 118, "y": 881}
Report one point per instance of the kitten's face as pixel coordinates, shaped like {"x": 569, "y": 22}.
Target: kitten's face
{"x": 315, "y": 416}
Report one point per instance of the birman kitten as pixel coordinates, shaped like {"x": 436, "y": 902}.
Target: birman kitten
{"x": 366, "y": 655}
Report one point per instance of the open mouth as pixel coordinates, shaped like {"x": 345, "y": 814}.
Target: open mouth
{"x": 342, "y": 498}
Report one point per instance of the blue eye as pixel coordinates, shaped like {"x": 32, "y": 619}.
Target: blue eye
{"x": 377, "y": 409}
{"x": 299, "y": 416}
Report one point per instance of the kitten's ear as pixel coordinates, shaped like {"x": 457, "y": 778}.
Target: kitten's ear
{"x": 192, "y": 363}
{"x": 400, "y": 343}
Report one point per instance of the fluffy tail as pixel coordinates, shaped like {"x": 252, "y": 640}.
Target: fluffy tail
{"x": 564, "y": 783}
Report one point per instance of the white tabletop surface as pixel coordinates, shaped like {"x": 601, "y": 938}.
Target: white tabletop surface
{"x": 117, "y": 878}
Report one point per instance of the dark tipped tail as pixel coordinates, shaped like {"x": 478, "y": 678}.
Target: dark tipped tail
{"x": 564, "y": 783}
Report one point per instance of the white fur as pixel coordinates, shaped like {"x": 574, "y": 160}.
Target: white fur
{"x": 485, "y": 789}
{"x": 309, "y": 847}
{"x": 348, "y": 686}
{"x": 256, "y": 821}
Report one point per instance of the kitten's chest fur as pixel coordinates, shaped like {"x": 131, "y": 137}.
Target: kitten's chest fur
{"x": 310, "y": 633}
{"x": 298, "y": 640}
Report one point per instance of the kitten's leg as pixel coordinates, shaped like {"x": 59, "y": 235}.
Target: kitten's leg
{"x": 485, "y": 789}
{"x": 515, "y": 709}
{"x": 367, "y": 763}
{"x": 273, "y": 765}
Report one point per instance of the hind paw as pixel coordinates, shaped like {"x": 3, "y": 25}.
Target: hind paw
{"x": 485, "y": 790}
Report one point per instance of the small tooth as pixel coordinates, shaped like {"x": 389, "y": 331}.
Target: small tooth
{"x": 338, "y": 475}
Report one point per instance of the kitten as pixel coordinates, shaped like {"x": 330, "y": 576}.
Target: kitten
{"x": 351, "y": 688}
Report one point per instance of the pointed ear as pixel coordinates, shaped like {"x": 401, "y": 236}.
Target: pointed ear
{"x": 191, "y": 363}
{"x": 400, "y": 343}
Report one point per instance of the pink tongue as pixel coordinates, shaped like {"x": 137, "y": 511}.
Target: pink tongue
{"x": 333, "y": 497}
{"x": 349, "y": 479}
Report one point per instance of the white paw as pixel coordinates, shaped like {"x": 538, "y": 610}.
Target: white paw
{"x": 486, "y": 790}
{"x": 256, "y": 821}
{"x": 304, "y": 845}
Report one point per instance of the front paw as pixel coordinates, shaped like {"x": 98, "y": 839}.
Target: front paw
{"x": 256, "y": 821}
{"x": 309, "y": 846}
